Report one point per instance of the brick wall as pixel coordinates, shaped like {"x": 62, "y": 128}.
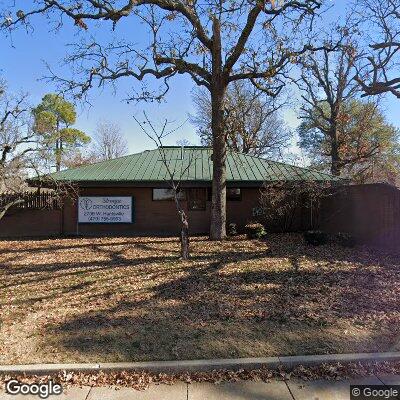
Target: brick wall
{"x": 369, "y": 212}
{"x": 19, "y": 223}
{"x": 157, "y": 217}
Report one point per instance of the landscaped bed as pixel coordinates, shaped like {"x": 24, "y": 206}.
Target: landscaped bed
{"x": 132, "y": 299}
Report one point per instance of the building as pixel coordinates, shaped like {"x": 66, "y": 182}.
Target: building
{"x": 131, "y": 195}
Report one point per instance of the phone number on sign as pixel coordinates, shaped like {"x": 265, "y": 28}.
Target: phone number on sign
{"x": 105, "y": 219}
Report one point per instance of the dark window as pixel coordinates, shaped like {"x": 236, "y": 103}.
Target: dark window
{"x": 233, "y": 194}
{"x": 197, "y": 199}
{"x": 167, "y": 194}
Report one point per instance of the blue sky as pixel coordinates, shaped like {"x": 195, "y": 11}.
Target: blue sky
{"x": 23, "y": 64}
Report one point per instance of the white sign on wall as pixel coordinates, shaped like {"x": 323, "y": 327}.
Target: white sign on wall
{"x": 105, "y": 209}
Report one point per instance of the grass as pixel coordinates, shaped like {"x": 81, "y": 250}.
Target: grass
{"x": 132, "y": 299}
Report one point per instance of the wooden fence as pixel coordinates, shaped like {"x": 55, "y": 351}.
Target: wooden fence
{"x": 31, "y": 200}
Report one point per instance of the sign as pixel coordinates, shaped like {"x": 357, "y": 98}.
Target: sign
{"x": 105, "y": 210}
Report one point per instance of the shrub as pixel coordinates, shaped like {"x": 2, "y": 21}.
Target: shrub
{"x": 255, "y": 230}
{"x": 316, "y": 238}
{"x": 232, "y": 229}
{"x": 345, "y": 239}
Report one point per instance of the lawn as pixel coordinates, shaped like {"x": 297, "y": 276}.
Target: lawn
{"x": 132, "y": 299}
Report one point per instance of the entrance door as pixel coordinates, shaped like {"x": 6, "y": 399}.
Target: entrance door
{"x": 197, "y": 199}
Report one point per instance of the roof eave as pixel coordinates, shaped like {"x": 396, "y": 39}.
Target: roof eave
{"x": 189, "y": 183}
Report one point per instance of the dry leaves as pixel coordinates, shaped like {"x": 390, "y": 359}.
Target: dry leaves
{"x": 132, "y": 299}
{"x": 141, "y": 380}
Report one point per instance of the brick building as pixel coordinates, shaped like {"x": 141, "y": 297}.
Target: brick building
{"x": 132, "y": 195}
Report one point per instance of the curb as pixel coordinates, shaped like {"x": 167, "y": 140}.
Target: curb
{"x": 203, "y": 365}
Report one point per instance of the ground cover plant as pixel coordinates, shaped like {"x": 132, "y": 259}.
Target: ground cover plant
{"x": 131, "y": 299}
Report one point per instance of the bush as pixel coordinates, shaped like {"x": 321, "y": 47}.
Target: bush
{"x": 345, "y": 239}
{"x": 255, "y": 230}
{"x": 316, "y": 238}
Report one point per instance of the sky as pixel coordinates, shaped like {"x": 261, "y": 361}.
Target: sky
{"x": 23, "y": 64}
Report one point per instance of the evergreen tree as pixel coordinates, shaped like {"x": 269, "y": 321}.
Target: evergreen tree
{"x": 53, "y": 119}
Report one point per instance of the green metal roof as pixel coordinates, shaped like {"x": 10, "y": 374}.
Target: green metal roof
{"x": 195, "y": 165}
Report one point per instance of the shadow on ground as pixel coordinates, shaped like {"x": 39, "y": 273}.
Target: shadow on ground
{"x": 136, "y": 301}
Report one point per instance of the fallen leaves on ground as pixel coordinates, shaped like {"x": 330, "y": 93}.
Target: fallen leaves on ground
{"x": 141, "y": 380}
{"x": 110, "y": 299}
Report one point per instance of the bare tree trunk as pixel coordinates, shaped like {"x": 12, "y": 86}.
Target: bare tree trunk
{"x": 58, "y": 148}
{"x": 58, "y": 155}
{"x": 335, "y": 157}
{"x": 185, "y": 239}
{"x": 184, "y": 229}
{"x": 218, "y": 89}
{"x": 218, "y": 206}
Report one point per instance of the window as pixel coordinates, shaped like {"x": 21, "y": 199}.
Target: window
{"x": 197, "y": 199}
{"x": 167, "y": 194}
{"x": 233, "y": 194}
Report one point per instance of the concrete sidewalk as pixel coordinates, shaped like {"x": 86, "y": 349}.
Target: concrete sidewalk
{"x": 275, "y": 390}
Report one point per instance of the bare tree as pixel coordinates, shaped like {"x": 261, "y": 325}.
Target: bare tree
{"x": 382, "y": 19}
{"x": 24, "y": 155}
{"x": 174, "y": 174}
{"x": 75, "y": 158}
{"x": 327, "y": 84}
{"x": 339, "y": 130}
{"x": 16, "y": 141}
{"x": 252, "y": 121}
{"x": 215, "y": 43}
{"x": 109, "y": 141}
